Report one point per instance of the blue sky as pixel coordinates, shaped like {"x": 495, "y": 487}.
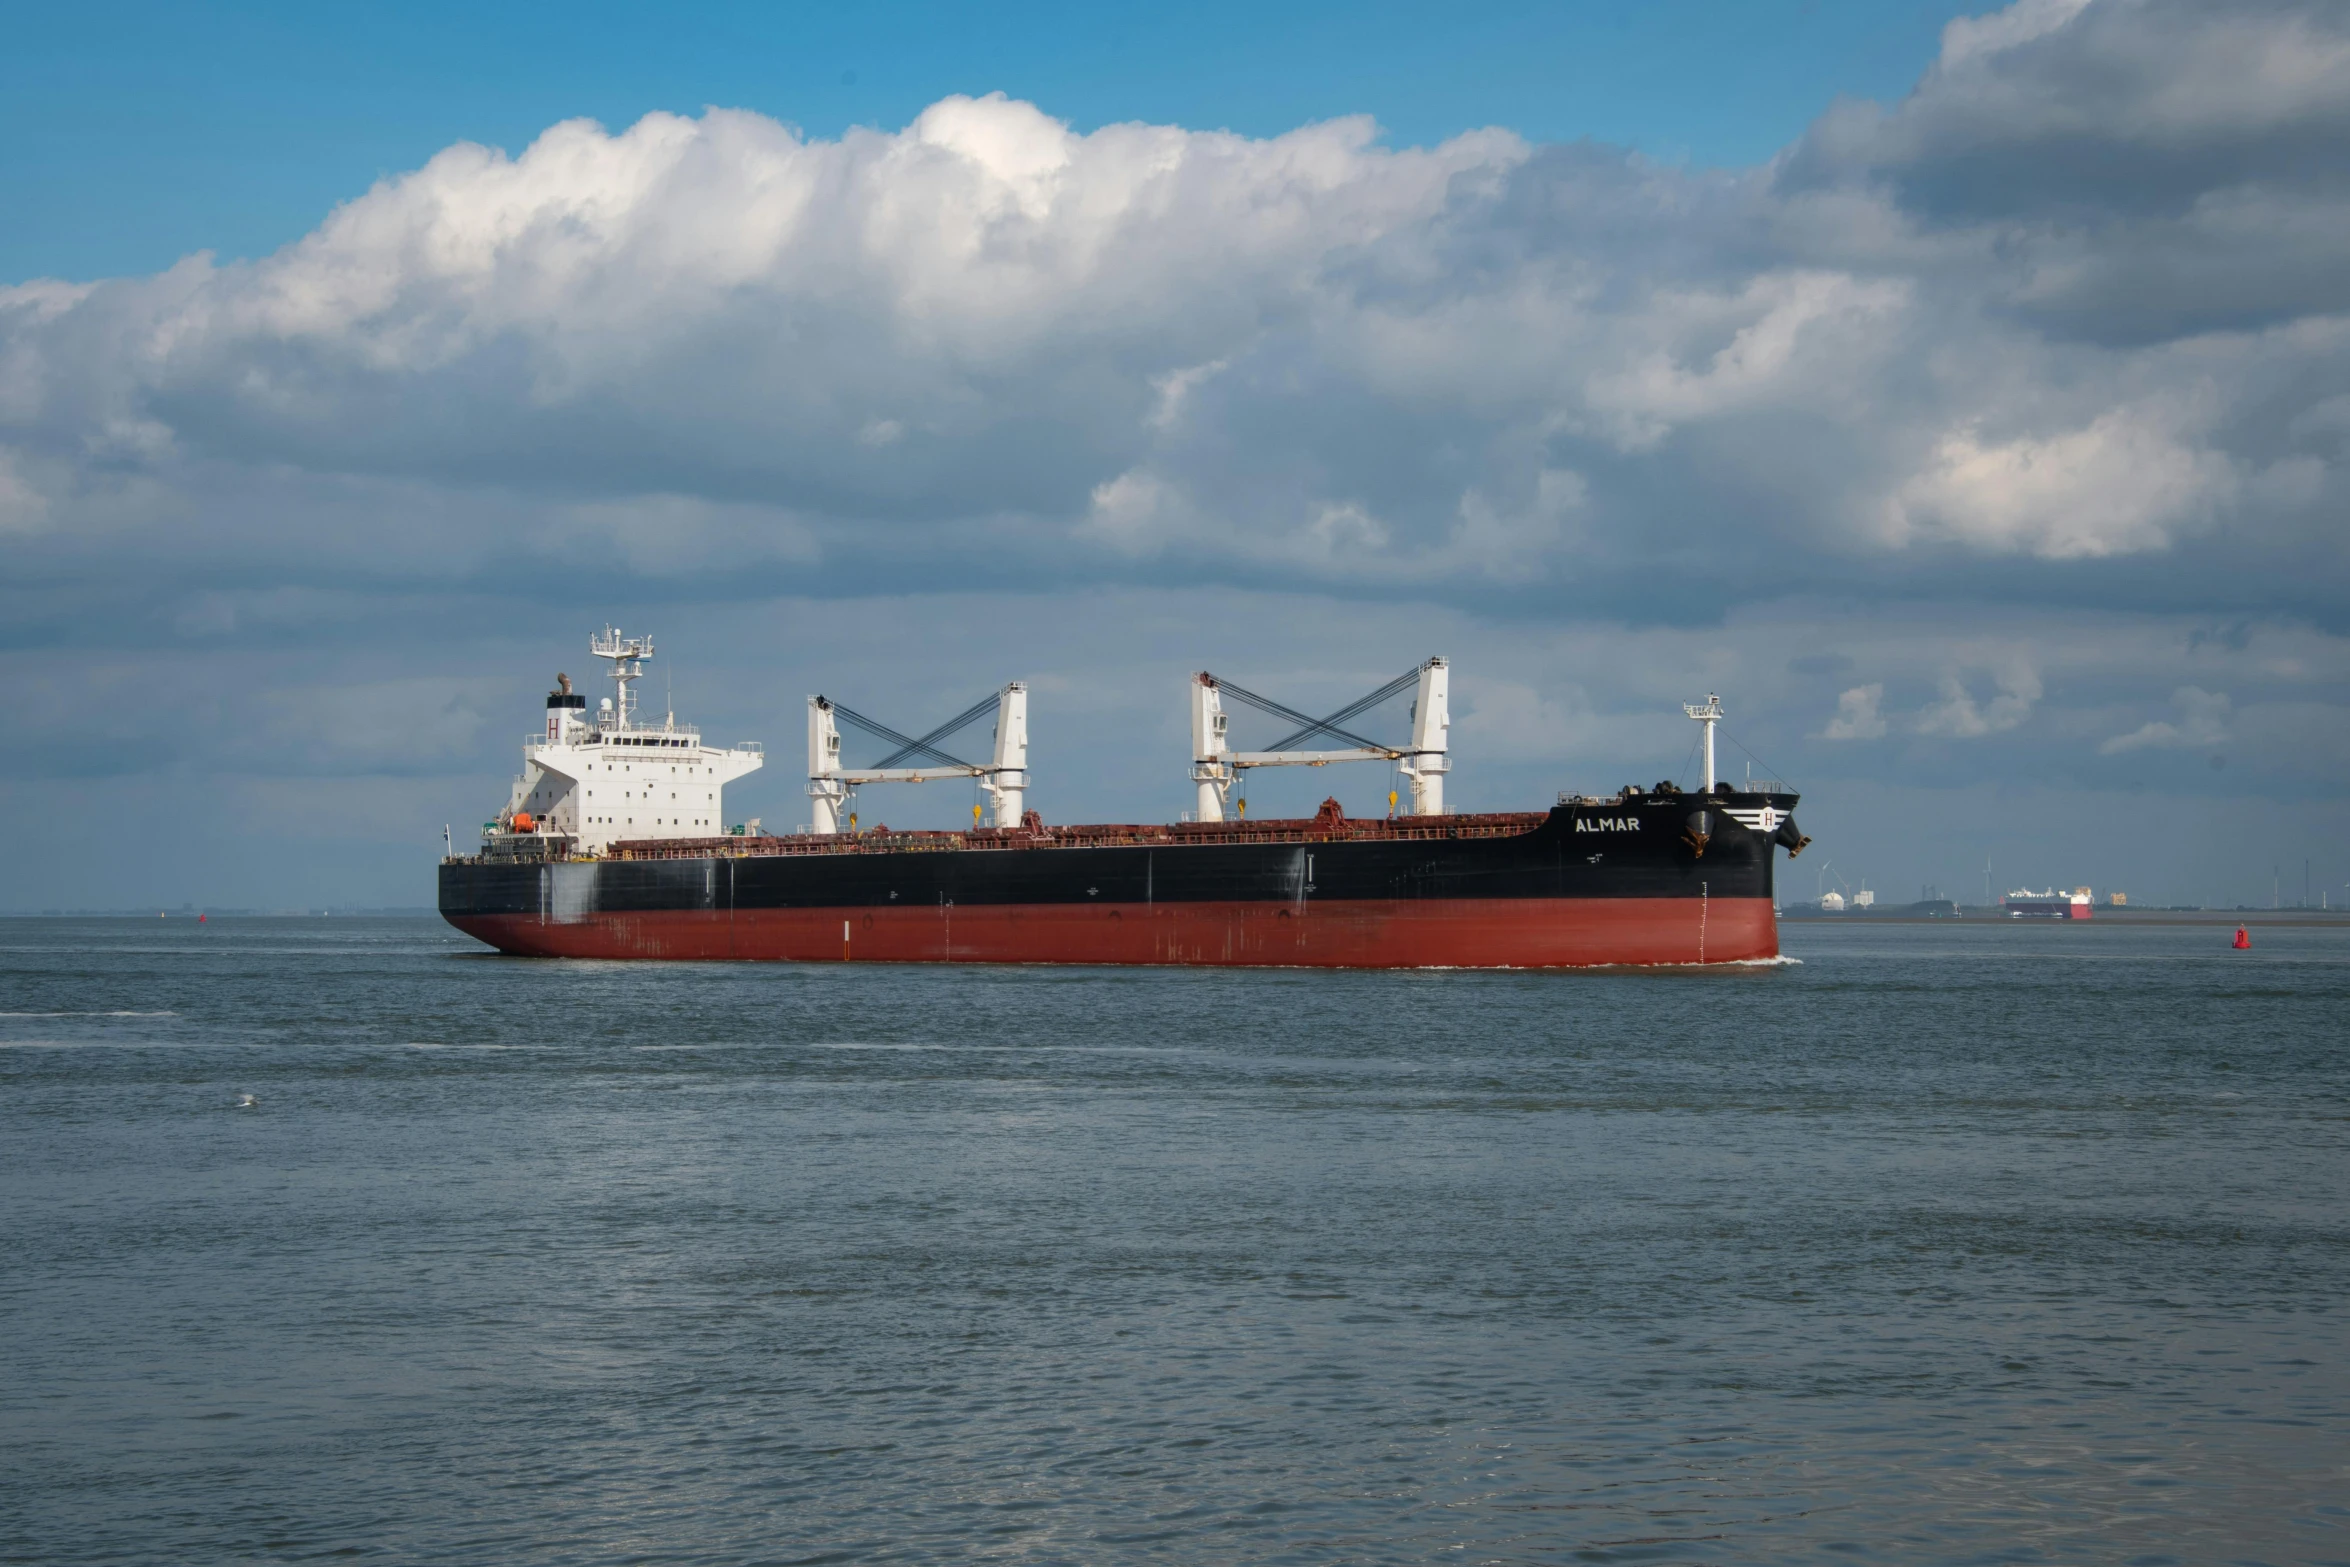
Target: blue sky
{"x": 133, "y": 134}
{"x": 1964, "y": 394}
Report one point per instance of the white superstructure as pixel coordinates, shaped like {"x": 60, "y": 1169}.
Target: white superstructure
{"x": 598, "y": 779}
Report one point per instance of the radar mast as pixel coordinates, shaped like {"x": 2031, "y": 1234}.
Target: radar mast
{"x": 1708, "y": 713}
{"x": 628, "y": 655}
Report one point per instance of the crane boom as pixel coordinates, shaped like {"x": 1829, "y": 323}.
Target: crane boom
{"x": 1004, "y": 776}
{"x": 1216, "y": 767}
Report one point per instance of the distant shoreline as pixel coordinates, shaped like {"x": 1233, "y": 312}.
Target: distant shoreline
{"x": 1978, "y": 915}
{"x": 1971, "y": 914}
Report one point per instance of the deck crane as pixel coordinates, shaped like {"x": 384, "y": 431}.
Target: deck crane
{"x": 1005, "y": 777}
{"x": 1215, "y": 766}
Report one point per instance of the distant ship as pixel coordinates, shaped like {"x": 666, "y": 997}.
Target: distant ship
{"x": 612, "y": 844}
{"x": 2052, "y": 905}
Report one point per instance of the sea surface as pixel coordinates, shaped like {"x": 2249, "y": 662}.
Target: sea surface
{"x": 346, "y": 1238}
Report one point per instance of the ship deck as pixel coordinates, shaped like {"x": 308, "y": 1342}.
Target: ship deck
{"x": 1325, "y": 828}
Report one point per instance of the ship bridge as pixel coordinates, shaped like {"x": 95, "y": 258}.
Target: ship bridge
{"x": 589, "y": 781}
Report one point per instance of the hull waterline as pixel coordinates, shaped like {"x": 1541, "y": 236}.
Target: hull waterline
{"x": 1420, "y": 933}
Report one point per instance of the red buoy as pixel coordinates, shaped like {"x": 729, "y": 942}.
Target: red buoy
{"x": 2243, "y": 939}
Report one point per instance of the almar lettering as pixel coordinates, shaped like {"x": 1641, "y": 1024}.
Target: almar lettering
{"x": 1607, "y": 824}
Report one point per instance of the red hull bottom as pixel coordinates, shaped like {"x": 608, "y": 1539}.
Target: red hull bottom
{"x": 1421, "y": 933}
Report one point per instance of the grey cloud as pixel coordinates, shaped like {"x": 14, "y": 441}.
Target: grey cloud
{"x": 261, "y": 743}
{"x": 2121, "y": 171}
{"x": 2203, "y": 723}
{"x": 2087, "y": 107}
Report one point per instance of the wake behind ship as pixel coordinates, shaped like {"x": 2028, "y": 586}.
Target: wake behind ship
{"x": 611, "y": 845}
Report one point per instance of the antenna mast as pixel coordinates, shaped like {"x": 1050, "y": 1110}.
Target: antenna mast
{"x": 1709, "y": 715}
{"x": 628, "y": 655}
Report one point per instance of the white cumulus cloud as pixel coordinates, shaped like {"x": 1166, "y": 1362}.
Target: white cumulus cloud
{"x": 987, "y": 340}
{"x": 1959, "y": 716}
{"x": 2120, "y": 485}
{"x": 1857, "y": 714}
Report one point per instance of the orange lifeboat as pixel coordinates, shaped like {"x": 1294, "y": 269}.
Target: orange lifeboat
{"x": 525, "y": 822}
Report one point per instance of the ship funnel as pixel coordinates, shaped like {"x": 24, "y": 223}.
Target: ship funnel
{"x": 566, "y": 712}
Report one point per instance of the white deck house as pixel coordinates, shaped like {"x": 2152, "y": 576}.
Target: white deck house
{"x": 607, "y": 778}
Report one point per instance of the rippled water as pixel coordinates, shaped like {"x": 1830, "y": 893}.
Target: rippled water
{"x": 1948, "y": 1244}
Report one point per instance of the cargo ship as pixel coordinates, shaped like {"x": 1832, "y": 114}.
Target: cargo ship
{"x": 2023, "y": 904}
{"x": 613, "y": 844}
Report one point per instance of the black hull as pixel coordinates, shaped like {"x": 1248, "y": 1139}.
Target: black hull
{"x": 1539, "y": 895}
